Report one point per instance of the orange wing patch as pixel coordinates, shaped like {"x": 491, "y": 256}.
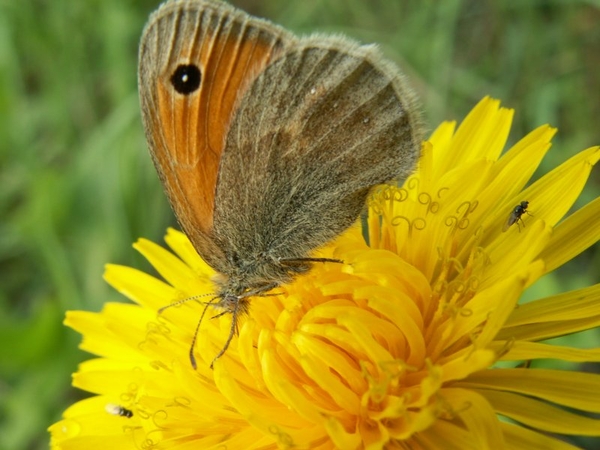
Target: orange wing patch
{"x": 230, "y": 54}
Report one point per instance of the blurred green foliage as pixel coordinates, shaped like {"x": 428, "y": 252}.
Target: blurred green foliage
{"x": 77, "y": 185}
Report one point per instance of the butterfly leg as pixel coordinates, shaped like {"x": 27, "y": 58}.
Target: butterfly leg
{"x": 193, "y": 344}
{"x": 232, "y": 331}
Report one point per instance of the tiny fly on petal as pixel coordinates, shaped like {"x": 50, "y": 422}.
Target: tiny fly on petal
{"x": 516, "y": 214}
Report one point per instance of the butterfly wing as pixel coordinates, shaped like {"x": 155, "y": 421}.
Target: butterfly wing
{"x": 186, "y": 127}
{"x": 314, "y": 132}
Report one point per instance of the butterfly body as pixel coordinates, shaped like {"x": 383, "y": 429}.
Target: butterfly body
{"x": 267, "y": 144}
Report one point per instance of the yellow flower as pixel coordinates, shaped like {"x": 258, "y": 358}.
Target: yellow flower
{"x": 397, "y": 347}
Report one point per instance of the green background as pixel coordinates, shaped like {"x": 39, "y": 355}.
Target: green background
{"x": 77, "y": 186}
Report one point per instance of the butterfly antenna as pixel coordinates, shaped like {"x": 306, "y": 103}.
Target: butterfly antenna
{"x": 314, "y": 260}
{"x": 231, "y": 333}
{"x": 195, "y": 337}
{"x": 181, "y": 302}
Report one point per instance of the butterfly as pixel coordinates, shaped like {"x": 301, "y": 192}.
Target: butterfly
{"x": 267, "y": 144}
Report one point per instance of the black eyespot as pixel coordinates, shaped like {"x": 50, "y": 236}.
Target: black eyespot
{"x": 186, "y": 78}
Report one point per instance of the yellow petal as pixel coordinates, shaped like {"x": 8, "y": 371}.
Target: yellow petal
{"x": 446, "y": 435}
{"x": 482, "y": 133}
{"x": 173, "y": 270}
{"x": 477, "y": 415}
{"x": 104, "y": 337}
{"x": 138, "y": 286}
{"x": 523, "y": 350}
{"x": 578, "y": 304}
{"x": 571, "y": 237}
{"x": 554, "y": 194}
{"x": 574, "y": 389}
{"x": 340, "y": 437}
{"x": 519, "y": 438}
{"x": 541, "y": 415}
{"x": 183, "y": 248}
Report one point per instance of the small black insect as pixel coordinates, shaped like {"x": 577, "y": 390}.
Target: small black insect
{"x": 118, "y": 410}
{"x": 516, "y": 214}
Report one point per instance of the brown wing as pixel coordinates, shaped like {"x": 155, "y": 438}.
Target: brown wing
{"x": 317, "y": 129}
{"x": 186, "y": 124}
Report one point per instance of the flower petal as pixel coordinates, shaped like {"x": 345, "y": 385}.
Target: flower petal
{"x": 482, "y": 133}
{"x": 573, "y": 236}
{"x": 174, "y": 270}
{"x": 519, "y": 438}
{"x": 522, "y": 350}
{"x": 554, "y": 194}
{"x": 478, "y": 416}
{"x": 446, "y": 435}
{"x": 104, "y": 337}
{"x": 138, "y": 286}
{"x": 541, "y": 415}
{"x": 577, "y": 304}
{"x": 573, "y": 389}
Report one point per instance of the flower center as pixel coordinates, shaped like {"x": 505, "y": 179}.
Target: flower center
{"x": 435, "y": 234}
